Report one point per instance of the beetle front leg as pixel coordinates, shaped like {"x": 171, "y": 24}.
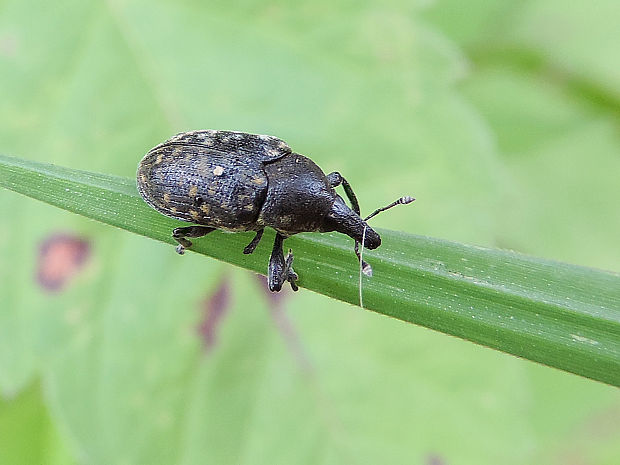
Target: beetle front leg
{"x": 180, "y": 234}
{"x": 280, "y": 268}
{"x": 366, "y": 268}
{"x": 335, "y": 179}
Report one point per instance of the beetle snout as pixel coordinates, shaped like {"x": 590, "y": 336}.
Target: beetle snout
{"x": 372, "y": 240}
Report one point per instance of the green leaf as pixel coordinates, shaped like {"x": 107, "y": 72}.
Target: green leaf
{"x": 561, "y": 315}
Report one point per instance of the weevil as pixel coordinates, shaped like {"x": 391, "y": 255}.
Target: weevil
{"x": 235, "y": 181}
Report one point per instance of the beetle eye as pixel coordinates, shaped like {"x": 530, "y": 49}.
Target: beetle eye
{"x": 198, "y": 200}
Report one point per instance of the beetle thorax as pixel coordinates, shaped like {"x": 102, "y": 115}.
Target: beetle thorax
{"x": 299, "y": 195}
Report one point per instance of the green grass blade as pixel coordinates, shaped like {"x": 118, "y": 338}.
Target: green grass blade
{"x": 561, "y": 315}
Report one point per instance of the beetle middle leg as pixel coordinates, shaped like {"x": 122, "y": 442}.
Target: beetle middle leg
{"x": 252, "y": 245}
{"x": 180, "y": 235}
{"x": 280, "y": 268}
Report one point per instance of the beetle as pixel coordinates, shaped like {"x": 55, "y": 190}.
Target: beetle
{"x": 235, "y": 181}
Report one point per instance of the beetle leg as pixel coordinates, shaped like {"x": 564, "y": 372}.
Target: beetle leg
{"x": 276, "y": 265}
{"x": 335, "y": 179}
{"x": 180, "y": 234}
{"x": 366, "y": 268}
{"x": 280, "y": 269}
{"x": 252, "y": 245}
{"x": 291, "y": 275}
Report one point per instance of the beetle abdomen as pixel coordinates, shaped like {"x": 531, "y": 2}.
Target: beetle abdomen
{"x": 204, "y": 186}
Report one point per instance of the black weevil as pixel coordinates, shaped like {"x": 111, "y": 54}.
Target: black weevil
{"x": 244, "y": 182}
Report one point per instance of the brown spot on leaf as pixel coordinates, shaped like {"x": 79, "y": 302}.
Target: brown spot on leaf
{"x": 8, "y": 45}
{"x": 214, "y": 308}
{"x": 435, "y": 459}
{"x": 61, "y": 256}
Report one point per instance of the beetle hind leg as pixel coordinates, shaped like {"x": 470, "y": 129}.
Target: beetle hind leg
{"x": 181, "y": 234}
{"x": 252, "y": 245}
{"x": 280, "y": 268}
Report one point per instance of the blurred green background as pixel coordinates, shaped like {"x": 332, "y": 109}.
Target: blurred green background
{"x": 500, "y": 117}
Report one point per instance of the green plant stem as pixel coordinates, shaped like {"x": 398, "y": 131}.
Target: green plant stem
{"x": 561, "y": 315}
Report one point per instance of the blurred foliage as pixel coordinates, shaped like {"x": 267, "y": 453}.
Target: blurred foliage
{"x": 500, "y": 117}
{"x": 27, "y": 434}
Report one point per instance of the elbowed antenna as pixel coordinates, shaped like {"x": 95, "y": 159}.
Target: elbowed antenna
{"x": 366, "y": 268}
{"x": 402, "y": 201}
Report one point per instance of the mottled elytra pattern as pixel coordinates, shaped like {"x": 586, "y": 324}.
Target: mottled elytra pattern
{"x": 261, "y": 147}
{"x": 205, "y": 186}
